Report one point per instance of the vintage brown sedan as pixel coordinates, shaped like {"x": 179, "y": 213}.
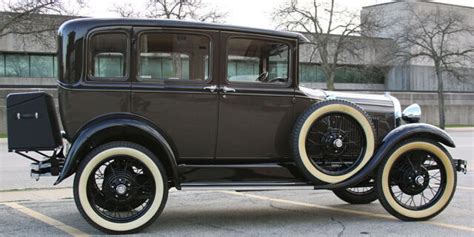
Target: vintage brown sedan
{"x": 149, "y": 105}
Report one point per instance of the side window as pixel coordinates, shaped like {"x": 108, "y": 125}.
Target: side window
{"x": 166, "y": 56}
{"x": 257, "y": 61}
{"x": 107, "y": 56}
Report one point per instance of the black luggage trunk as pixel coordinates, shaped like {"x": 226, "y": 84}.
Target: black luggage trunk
{"x": 32, "y": 122}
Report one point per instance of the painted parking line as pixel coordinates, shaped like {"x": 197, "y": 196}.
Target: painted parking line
{"x": 465, "y": 188}
{"x": 343, "y": 210}
{"x": 46, "y": 219}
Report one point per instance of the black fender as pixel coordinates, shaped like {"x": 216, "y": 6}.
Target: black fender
{"x": 394, "y": 137}
{"x": 116, "y": 123}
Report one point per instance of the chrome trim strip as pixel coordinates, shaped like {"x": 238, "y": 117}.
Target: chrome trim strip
{"x": 396, "y": 105}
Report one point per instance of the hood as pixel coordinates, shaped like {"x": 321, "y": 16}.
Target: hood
{"x": 357, "y": 98}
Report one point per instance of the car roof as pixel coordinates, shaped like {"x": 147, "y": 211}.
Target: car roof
{"x": 90, "y": 23}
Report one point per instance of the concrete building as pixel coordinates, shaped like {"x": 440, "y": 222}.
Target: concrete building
{"x": 29, "y": 59}
{"x": 418, "y": 74}
{"x": 29, "y": 63}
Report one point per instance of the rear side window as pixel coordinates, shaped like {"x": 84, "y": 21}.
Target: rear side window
{"x": 107, "y": 56}
{"x": 169, "y": 56}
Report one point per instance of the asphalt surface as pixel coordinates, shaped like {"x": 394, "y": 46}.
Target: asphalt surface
{"x": 30, "y": 208}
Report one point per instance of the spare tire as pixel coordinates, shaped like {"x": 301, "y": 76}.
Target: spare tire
{"x": 332, "y": 140}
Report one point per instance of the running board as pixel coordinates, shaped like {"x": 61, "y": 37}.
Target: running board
{"x": 246, "y": 186}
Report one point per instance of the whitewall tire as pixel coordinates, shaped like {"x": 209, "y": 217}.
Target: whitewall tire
{"x": 417, "y": 180}
{"x": 334, "y": 141}
{"x": 120, "y": 187}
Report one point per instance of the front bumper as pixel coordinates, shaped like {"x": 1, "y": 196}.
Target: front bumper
{"x": 460, "y": 165}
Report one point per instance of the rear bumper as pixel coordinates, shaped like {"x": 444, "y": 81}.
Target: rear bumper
{"x": 460, "y": 165}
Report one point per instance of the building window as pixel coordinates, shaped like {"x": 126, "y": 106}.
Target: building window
{"x": 2, "y": 65}
{"x": 107, "y": 55}
{"x": 17, "y": 65}
{"x": 312, "y": 72}
{"x": 42, "y": 66}
{"x": 165, "y": 56}
{"x": 27, "y": 65}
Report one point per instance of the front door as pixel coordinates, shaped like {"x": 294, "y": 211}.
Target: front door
{"x": 256, "y": 98}
{"x": 173, "y": 87}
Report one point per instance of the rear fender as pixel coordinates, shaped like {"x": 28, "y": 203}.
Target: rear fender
{"x": 99, "y": 129}
{"x": 418, "y": 130}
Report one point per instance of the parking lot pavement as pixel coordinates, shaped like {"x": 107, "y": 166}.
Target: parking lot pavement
{"x": 34, "y": 210}
{"x": 272, "y": 213}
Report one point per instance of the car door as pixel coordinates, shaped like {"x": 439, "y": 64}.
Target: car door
{"x": 255, "y": 107}
{"x": 174, "y": 71}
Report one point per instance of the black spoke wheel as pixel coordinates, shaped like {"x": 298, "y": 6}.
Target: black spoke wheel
{"x": 417, "y": 181}
{"x": 120, "y": 187}
{"x": 358, "y": 195}
{"x": 335, "y": 143}
{"x": 332, "y": 140}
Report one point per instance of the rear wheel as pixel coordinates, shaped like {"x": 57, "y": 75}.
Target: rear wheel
{"x": 357, "y": 195}
{"x": 120, "y": 187}
{"x": 417, "y": 180}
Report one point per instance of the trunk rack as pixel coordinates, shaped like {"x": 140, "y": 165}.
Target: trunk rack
{"x": 48, "y": 165}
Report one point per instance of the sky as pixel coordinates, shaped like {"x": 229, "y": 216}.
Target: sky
{"x": 252, "y": 13}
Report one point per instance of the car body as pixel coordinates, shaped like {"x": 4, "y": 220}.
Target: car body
{"x": 216, "y": 104}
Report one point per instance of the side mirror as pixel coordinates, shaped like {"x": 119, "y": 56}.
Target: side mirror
{"x": 412, "y": 113}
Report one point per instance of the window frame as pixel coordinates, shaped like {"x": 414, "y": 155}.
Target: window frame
{"x": 88, "y": 56}
{"x": 230, "y": 36}
{"x": 159, "y": 81}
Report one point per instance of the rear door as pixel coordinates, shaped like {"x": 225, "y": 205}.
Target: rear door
{"x": 256, "y": 97}
{"x": 173, "y": 87}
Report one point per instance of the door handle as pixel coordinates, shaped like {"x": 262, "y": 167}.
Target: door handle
{"x": 228, "y": 89}
{"x": 211, "y": 88}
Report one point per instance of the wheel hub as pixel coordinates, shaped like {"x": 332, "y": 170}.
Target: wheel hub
{"x": 334, "y": 140}
{"x": 419, "y": 180}
{"x": 338, "y": 143}
{"x": 121, "y": 189}
{"x": 414, "y": 180}
{"x": 120, "y": 186}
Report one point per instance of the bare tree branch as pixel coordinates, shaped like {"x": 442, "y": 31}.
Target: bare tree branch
{"x": 434, "y": 36}
{"x": 23, "y": 18}
{"x": 172, "y": 9}
{"x": 317, "y": 21}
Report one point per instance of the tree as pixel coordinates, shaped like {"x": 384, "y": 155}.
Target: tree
{"x": 23, "y": 19}
{"x": 330, "y": 30}
{"x": 172, "y": 9}
{"x": 434, "y": 35}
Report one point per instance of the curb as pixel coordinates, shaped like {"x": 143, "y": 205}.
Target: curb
{"x": 460, "y": 129}
{"x": 54, "y": 194}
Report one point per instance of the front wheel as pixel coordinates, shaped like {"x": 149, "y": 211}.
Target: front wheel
{"x": 417, "y": 180}
{"x": 357, "y": 195}
{"x": 120, "y": 187}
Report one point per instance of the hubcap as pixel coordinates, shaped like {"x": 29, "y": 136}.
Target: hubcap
{"x": 419, "y": 180}
{"x": 338, "y": 143}
{"x": 121, "y": 189}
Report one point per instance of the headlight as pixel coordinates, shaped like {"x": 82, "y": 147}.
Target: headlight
{"x": 412, "y": 113}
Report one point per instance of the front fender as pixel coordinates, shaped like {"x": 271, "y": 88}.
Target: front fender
{"x": 120, "y": 122}
{"x": 419, "y": 130}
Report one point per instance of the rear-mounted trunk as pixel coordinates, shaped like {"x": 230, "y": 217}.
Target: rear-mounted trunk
{"x": 32, "y": 122}
{"x": 33, "y": 132}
